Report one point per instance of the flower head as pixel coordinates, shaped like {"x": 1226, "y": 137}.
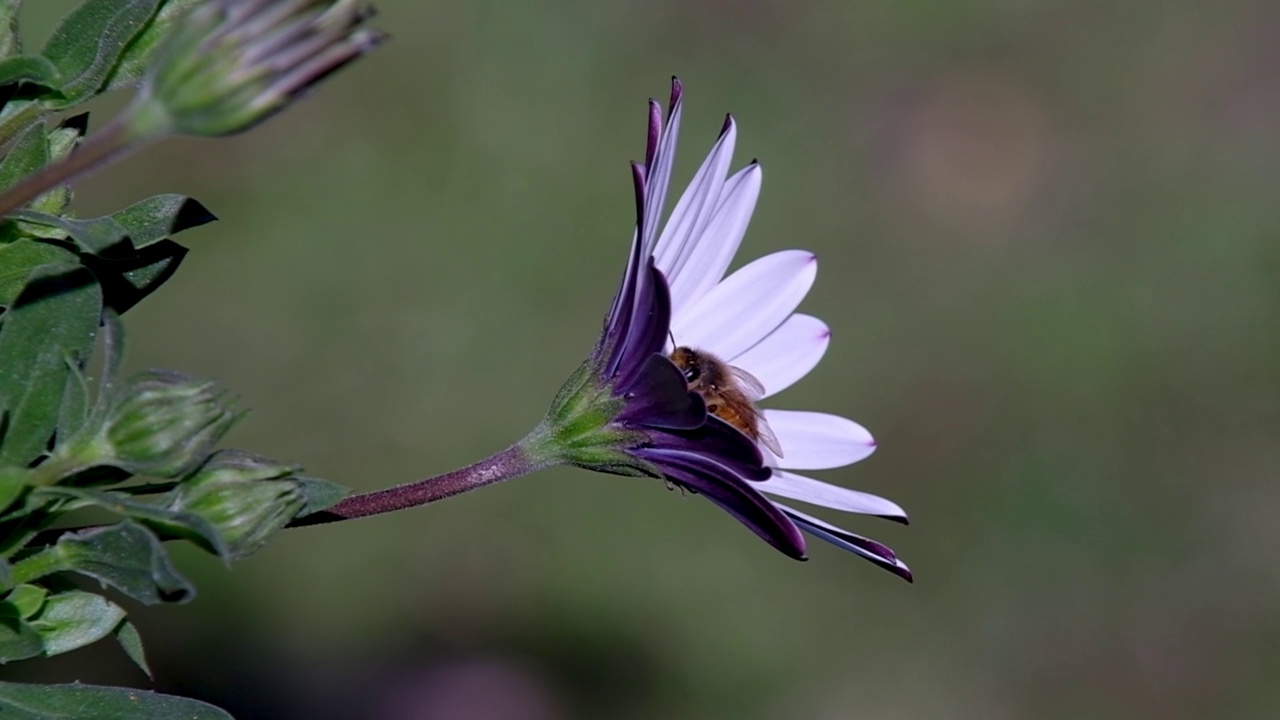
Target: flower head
{"x": 631, "y": 410}
{"x": 230, "y": 64}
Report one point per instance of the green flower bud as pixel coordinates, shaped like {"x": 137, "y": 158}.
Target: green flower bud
{"x": 246, "y": 498}
{"x": 162, "y": 424}
{"x": 230, "y": 64}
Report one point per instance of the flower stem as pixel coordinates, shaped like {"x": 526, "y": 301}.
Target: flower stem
{"x": 134, "y": 128}
{"x": 517, "y": 460}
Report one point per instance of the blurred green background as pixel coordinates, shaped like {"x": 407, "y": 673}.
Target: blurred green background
{"x": 1049, "y": 236}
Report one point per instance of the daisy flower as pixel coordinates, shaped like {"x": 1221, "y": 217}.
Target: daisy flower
{"x": 631, "y": 410}
{"x": 675, "y": 292}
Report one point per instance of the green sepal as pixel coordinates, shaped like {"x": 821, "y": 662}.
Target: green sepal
{"x": 578, "y": 428}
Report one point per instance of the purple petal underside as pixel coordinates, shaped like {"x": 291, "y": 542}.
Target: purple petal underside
{"x": 735, "y": 496}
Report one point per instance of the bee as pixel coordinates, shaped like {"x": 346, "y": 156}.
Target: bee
{"x": 729, "y": 392}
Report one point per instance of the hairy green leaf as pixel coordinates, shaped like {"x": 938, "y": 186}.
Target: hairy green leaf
{"x": 20, "y": 701}
{"x": 129, "y": 274}
{"x": 160, "y": 216}
{"x": 133, "y": 64}
{"x": 19, "y": 258}
{"x": 74, "y": 410}
{"x": 28, "y": 68}
{"x": 129, "y": 639}
{"x": 12, "y": 482}
{"x": 90, "y": 41}
{"x": 74, "y": 619}
{"x": 29, "y": 153}
{"x": 172, "y": 523}
{"x": 54, "y": 317}
{"x": 18, "y": 640}
{"x": 129, "y": 558}
{"x": 10, "y": 40}
{"x": 27, "y": 600}
{"x": 100, "y": 236}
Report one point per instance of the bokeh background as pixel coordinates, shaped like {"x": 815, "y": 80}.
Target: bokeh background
{"x": 1049, "y": 242}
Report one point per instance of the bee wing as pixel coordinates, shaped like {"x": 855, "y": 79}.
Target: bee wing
{"x": 750, "y": 385}
{"x": 767, "y": 438}
{"x": 739, "y": 404}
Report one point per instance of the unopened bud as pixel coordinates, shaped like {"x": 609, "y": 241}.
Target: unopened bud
{"x": 230, "y": 64}
{"x": 245, "y": 497}
{"x": 162, "y": 424}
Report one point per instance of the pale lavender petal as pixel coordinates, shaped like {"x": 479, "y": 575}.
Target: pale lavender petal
{"x": 787, "y": 354}
{"x": 684, "y": 229}
{"x": 818, "y": 441}
{"x": 659, "y": 175}
{"x": 876, "y": 552}
{"x": 816, "y": 492}
{"x": 708, "y": 256}
{"x": 748, "y": 305}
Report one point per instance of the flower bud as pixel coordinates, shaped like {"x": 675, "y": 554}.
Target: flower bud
{"x": 230, "y": 64}
{"x": 162, "y": 424}
{"x": 246, "y": 498}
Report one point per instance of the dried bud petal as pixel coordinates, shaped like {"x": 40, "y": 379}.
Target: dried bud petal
{"x": 162, "y": 424}
{"x": 230, "y": 64}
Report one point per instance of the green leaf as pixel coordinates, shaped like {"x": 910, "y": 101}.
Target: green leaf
{"x": 20, "y": 701}
{"x": 12, "y": 481}
{"x": 127, "y": 557}
{"x": 133, "y": 64}
{"x": 319, "y": 494}
{"x": 90, "y": 42}
{"x": 75, "y": 619}
{"x": 127, "y": 274}
{"x": 160, "y": 216}
{"x": 19, "y": 258}
{"x": 18, "y": 640}
{"x": 55, "y": 316}
{"x": 27, "y": 600}
{"x": 62, "y": 140}
{"x": 175, "y": 523}
{"x": 74, "y": 410}
{"x": 29, "y": 153}
{"x": 28, "y": 68}
{"x": 100, "y": 236}
{"x": 129, "y": 639}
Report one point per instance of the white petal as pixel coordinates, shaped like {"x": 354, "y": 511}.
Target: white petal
{"x": 816, "y": 492}
{"x": 818, "y": 441}
{"x": 708, "y": 254}
{"x": 695, "y": 209}
{"x": 748, "y": 305}
{"x": 787, "y": 354}
{"x": 658, "y": 178}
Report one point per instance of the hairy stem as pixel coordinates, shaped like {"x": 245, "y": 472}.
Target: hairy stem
{"x": 128, "y": 132}
{"x": 515, "y": 461}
